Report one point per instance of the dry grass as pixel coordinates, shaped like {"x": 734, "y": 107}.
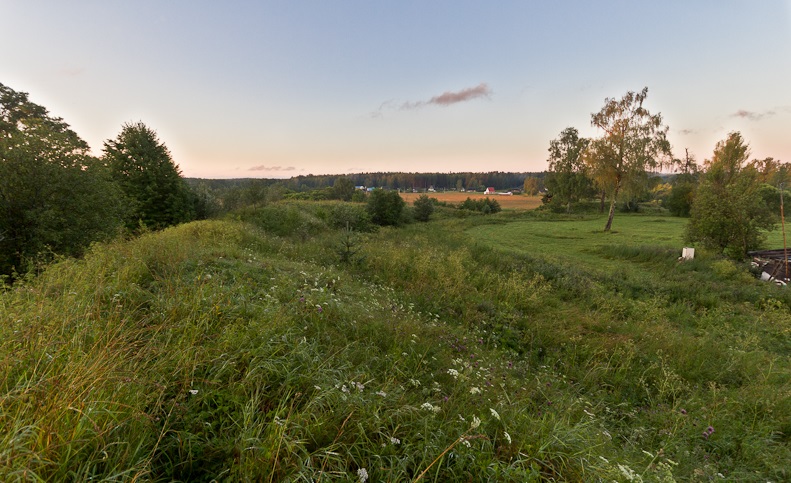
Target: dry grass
{"x": 514, "y": 202}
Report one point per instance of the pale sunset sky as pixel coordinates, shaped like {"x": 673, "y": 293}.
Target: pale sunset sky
{"x": 240, "y": 89}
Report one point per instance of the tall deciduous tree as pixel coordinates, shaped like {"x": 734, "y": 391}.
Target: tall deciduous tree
{"x": 684, "y": 184}
{"x": 343, "y": 189}
{"x": 728, "y": 213}
{"x": 566, "y": 179}
{"x": 634, "y": 141}
{"x": 143, "y": 167}
{"x": 532, "y": 186}
{"x": 54, "y": 197}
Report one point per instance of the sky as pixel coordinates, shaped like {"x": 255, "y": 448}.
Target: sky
{"x": 273, "y": 89}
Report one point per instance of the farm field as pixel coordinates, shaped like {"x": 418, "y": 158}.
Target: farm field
{"x": 513, "y": 202}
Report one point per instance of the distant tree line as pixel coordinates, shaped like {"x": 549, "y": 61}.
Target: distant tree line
{"x": 231, "y": 194}
{"x": 56, "y": 199}
{"x": 500, "y": 180}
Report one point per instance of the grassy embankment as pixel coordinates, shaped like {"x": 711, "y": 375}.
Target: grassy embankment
{"x": 509, "y": 348}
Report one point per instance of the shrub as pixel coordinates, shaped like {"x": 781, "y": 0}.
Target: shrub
{"x": 350, "y": 216}
{"x": 283, "y": 219}
{"x": 385, "y": 207}
{"x": 424, "y": 207}
{"x": 484, "y": 205}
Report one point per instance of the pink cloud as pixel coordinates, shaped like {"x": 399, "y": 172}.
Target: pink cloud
{"x": 271, "y": 168}
{"x": 447, "y": 98}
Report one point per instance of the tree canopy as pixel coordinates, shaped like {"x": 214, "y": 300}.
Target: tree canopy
{"x": 142, "y": 166}
{"x": 728, "y": 212}
{"x": 632, "y": 142}
{"x": 566, "y": 179}
{"x": 54, "y": 197}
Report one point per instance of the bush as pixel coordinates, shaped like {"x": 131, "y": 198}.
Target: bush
{"x": 424, "y": 207}
{"x": 484, "y": 205}
{"x": 385, "y": 207}
{"x": 283, "y": 219}
{"x": 350, "y": 216}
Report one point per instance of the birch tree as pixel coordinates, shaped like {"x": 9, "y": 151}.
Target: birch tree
{"x": 633, "y": 141}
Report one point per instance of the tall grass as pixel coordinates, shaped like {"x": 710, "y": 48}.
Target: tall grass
{"x": 251, "y": 351}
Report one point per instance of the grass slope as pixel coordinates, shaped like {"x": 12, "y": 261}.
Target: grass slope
{"x": 244, "y": 350}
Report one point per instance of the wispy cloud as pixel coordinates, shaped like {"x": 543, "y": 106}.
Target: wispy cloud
{"x": 753, "y": 115}
{"x": 272, "y": 168}
{"x": 686, "y": 132}
{"x": 445, "y": 99}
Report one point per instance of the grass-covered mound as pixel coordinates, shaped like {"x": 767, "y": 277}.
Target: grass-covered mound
{"x": 245, "y": 350}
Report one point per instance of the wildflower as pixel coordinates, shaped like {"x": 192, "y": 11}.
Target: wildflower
{"x": 319, "y": 309}
{"x": 193, "y": 391}
{"x": 362, "y": 473}
{"x": 494, "y": 413}
{"x": 359, "y": 386}
{"x": 475, "y": 390}
{"x": 318, "y": 388}
{"x": 710, "y": 430}
{"x": 467, "y": 443}
{"x": 629, "y": 473}
{"x": 344, "y": 388}
{"x": 454, "y": 373}
{"x": 381, "y": 393}
{"x": 683, "y": 411}
{"x": 475, "y": 422}
{"x": 507, "y": 436}
{"x": 427, "y": 406}
{"x": 394, "y": 440}
{"x": 414, "y": 382}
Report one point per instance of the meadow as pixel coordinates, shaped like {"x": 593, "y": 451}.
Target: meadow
{"x": 275, "y": 345}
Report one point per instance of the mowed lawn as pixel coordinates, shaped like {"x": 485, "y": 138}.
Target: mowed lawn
{"x": 583, "y": 241}
{"x": 513, "y": 202}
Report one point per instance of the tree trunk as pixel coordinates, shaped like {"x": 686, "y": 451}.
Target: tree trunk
{"x": 612, "y": 204}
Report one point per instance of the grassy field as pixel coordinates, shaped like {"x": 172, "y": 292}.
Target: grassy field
{"x": 514, "y": 202}
{"x": 271, "y": 346}
{"x": 581, "y": 241}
